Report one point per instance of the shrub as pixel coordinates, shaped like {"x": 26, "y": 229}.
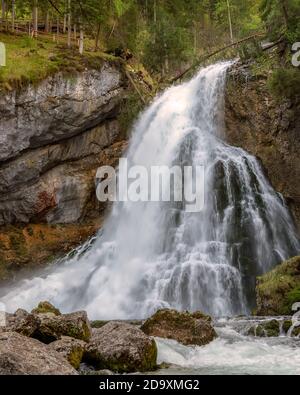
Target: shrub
{"x": 285, "y": 83}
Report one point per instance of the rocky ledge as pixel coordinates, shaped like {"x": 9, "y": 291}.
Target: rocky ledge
{"x": 53, "y": 137}
{"x": 48, "y": 342}
{"x": 258, "y": 123}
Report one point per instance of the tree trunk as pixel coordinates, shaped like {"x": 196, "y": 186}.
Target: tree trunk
{"x": 155, "y": 12}
{"x": 285, "y": 13}
{"x": 13, "y": 14}
{"x": 3, "y": 14}
{"x": 69, "y": 24}
{"x": 195, "y": 38}
{"x": 230, "y": 21}
{"x": 57, "y": 28}
{"x": 47, "y": 22}
{"x": 35, "y": 18}
{"x": 81, "y": 40}
{"x": 75, "y": 33}
{"x": 65, "y": 24}
{"x": 97, "y": 38}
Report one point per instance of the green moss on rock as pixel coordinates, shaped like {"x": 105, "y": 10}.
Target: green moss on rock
{"x": 184, "y": 327}
{"x": 287, "y": 326}
{"x": 265, "y": 329}
{"x": 44, "y": 308}
{"x": 98, "y": 324}
{"x": 279, "y": 289}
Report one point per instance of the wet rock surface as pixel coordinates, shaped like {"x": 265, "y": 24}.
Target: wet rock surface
{"x": 256, "y": 122}
{"x": 186, "y": 328}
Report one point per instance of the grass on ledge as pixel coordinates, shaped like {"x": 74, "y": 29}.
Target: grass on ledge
{"x": 31, "y": 60}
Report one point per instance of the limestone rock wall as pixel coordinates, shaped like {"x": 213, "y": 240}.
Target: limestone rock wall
{"x": 267, "y": 129}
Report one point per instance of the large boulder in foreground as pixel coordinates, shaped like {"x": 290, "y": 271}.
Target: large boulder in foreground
{"x": 121, "y": 348}
{"x": 71, "y": 349}
{"x": 279, "y": 289}
{"x": 52, "y": 327}
{"x": 20, "y": 355}
{"x": 186, "y": 328}
{"x": 47, "y": 324}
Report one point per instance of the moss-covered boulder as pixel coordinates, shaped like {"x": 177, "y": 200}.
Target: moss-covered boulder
{"x": 121, "y": 348}
{"x": 53, "y": 327}
{"x": 186, "y": 328}
{"x": 71, "y": 349}
{"x": 44, "y": 308}
{"x": 279, "y": 289}
{"x": 265, "y": 329}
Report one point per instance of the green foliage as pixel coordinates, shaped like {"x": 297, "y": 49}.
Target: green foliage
{"x": 281, "y": 18}
{"x": 164, "y": 34}
{"x": 244, "y": 14}
{"x": 285, "y": 83}
{"x": 293, "y": 296}
{"x": 131, "y": 108}
{"x": 250, "y": 50}
{"x": 167, "y": 34}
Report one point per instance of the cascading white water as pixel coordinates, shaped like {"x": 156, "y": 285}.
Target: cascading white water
{"x": 153, "y": 255}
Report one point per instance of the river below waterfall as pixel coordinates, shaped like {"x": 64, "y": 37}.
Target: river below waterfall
{"x": 233, "y": 353}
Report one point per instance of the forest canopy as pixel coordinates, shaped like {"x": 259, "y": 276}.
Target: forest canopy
{"x": 162, "y": 34}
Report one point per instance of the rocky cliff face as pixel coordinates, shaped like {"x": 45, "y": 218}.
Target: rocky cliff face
{"x": 267, "y": 129}
{"x": 53, "y": 137}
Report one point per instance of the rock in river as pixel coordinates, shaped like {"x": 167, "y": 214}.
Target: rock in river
{"x": 186, "y": 328}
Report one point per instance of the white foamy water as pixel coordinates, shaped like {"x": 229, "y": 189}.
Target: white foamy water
{"x": 232, "y": 354}
{"x": 153, "y": 255}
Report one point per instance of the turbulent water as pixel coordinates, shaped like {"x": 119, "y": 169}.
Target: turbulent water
{"x": 233, "y": 353}
{"x": 152, "y": 255}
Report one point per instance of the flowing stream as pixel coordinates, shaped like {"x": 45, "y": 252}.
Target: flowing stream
{"x": 233, "y": 353}
{"x": 151, "y": 255}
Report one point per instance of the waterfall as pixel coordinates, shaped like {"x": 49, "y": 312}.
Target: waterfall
{"x": 152, "y": 255}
